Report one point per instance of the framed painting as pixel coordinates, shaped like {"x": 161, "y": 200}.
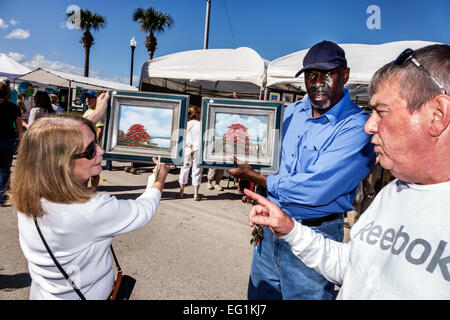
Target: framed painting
{"x": 288, "y": 98}
{"x": 274, "y": 96}
{"x": 247, "y": 131}
{"x": 140, "y": 126}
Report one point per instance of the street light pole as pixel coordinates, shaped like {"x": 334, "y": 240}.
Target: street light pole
{"x": 133, "y": 46}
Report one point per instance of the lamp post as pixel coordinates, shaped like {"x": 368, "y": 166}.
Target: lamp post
{"x": 133, "y": 46}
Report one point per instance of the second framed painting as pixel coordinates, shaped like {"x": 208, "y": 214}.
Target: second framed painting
{"x": 245, "y": 131}
{"x": 140, "y": 126}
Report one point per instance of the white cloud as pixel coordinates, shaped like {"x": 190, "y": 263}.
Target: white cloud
{"x": 125, "y": 80}
{"x": 18, "y": 34}
{"x": 39, "y": 61}
{"x": 17, "y": 57}
{"x": 2, "y": 24}
{"x": 13, "y": 22}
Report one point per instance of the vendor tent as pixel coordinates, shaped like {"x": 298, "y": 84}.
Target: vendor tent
{"x": 68, "y": 80}
{"x": 363, "y": 60}
{"x": 10, "y": 68}
{"x": 71, "y": 81}
{"x": 208, "y": 72}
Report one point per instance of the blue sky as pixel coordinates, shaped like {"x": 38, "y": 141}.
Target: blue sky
{"x": 34, "y": 32}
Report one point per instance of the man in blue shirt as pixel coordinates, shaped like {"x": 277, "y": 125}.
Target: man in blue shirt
{"x": 325, "y": 154}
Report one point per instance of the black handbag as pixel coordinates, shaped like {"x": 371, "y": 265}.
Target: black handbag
{"x": 123, "y": 285}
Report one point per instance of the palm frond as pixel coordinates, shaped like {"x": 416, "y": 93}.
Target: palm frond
{"x": 91, "y": 20}
{"x": 152, "y": 20}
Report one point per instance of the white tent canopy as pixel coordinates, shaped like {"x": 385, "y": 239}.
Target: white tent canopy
{"x": 68, "y": 80}
{"x": 214, "y": 72}
{"x": 10, "y": 68}
{"x": 362, "y": 59}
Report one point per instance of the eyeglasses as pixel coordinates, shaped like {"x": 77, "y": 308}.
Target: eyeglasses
{"x": 408, "y": 55}
{"x": 90, "y": 152}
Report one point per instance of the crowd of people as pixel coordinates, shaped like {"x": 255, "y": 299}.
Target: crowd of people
{"x": 329, "y": 147}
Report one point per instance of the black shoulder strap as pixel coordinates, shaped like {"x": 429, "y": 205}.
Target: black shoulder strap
{"x": 115, "y": 259}
{"x": 57, "y": 264}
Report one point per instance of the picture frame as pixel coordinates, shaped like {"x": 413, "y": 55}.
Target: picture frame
{"x": 140, "y": 126}
{"x": 274, "y": 96}
{"x": 288, "y": 98}
{"x": 245, "y": 131}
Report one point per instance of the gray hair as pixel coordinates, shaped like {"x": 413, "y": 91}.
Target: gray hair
{"x": 416, "y": 86}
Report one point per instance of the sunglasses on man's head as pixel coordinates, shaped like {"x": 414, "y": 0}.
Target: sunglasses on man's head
{"x": 408, "y": 55}
{"x": 90, "y": 152}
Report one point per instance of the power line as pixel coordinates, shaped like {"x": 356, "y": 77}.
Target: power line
{"x": 229, "y": 22}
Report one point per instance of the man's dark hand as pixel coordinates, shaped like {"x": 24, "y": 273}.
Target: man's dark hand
{"x": 245, "y": 171}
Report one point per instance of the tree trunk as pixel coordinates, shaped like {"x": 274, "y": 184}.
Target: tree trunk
{"x": 87, "y": 51}
{"x": 88, "y": 41}
{"x": 151, "y": 44}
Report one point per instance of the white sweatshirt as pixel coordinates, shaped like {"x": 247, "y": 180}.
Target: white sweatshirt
{"x": 398, "y": 249}
{"x": 79, "y": 236}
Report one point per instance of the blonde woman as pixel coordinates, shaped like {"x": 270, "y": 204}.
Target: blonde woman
{"x": 58, "y": 154}
{"x": 191, "y": 153}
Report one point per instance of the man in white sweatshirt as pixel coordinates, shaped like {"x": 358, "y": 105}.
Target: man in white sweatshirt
{"x": 399, "y": 247}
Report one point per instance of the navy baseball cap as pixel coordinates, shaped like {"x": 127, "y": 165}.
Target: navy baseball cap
{"x": 325, "y": 55}
{"x": 91, "y": 94}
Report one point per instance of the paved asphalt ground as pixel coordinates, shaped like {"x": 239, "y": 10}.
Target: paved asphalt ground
{"x": 191, "y": 250}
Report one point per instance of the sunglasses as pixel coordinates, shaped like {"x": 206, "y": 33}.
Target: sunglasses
{"x": 408, "y": 55}
{"x": 90, "y": 152}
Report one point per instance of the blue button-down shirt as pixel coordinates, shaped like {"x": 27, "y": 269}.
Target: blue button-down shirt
{"x": 323, "y": 159}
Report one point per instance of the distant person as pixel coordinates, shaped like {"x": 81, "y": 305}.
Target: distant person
{"x": 21, "y": 104}
{"x": 55, "y": 106}
{"x": 399, "y": 248}
{"x": 192, "y": 153}
{"x": 214, "y": 175}
{"x": 29, "y": 104}
{"x": 42, "y": 107}
{"x": 91, "y": 101}
{"x": 325, "y": 154}
{"x": 10, "y": 134}
{"x": 23, "y": 109}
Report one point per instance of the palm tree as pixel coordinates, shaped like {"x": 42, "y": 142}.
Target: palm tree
{"x": 88, "y": 21}
{"x": 152, "y": 21}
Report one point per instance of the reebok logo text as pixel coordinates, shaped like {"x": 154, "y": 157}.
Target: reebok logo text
{"x": 417, "y": 251}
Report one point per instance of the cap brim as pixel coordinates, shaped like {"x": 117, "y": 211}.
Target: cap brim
{"x": 323, "y": 66}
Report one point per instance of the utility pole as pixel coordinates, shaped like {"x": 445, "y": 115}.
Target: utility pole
{"x": 208, "y": 7}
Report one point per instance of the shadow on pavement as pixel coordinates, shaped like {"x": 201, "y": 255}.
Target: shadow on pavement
{"x": 119, "y": 188}
{"x": 16, "y": 281}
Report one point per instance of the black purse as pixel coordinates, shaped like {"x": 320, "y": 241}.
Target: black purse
{"x": 123, "y": 285}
